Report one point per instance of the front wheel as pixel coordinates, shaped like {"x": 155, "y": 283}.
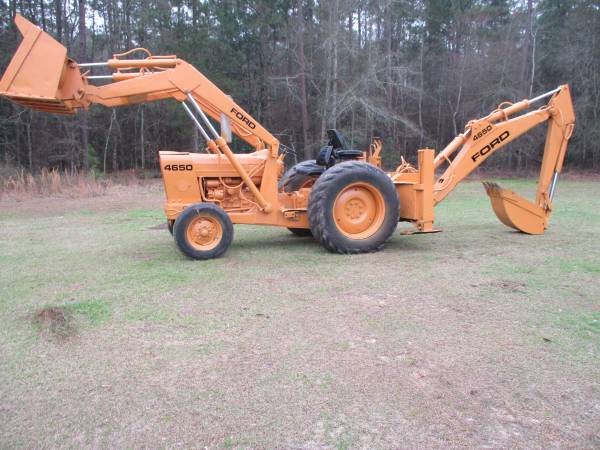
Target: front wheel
{"x": 203, "y": 231}
{"x": 302, "y": 175}
{"x": 353, "y": 208}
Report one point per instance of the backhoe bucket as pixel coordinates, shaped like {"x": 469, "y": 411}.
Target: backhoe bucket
{"x": 40, "y": 76}
{"x": 515, "y": 211}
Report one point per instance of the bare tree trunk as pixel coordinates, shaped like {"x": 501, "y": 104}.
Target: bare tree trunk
{"x": 83, "y": 121}
{"x": 421, "y": 69}
{"x": 113, "y": 118}
{"x": 335, "y": 25}
{"x": 334, "y": 97}
{"x": 29, "y": 147}
{"x": 439, "y": 120}
{"x": 369, "y": 49}
{"x": 58, "y": 14}
{"x": 459, "y": 97}
{"x": 115, "y": 159}
{"x": 115, "y": 164}
{"x": 532, "y": 65}
{"x": 12, "y": 7}
{"x": 387, "y": 31}
{"x": 325, "y": 101}
{"x": 527, "y": 43}
{"x": 302, "y": 82}
{"x": 43, "y": 14}
{"x": 18, "y": 140}
{"x": 359, "y": 26}
{"x": 142, "y": 145}
{"x": 387, "y": 34}
{"x": 194, "y": 14}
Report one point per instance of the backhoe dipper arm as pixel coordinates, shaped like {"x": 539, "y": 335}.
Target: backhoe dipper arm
{"x": 484, "y": 137}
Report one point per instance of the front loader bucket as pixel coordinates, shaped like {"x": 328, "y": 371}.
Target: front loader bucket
{"x": 515, "y": 211}
{"x": 40, "y": 76}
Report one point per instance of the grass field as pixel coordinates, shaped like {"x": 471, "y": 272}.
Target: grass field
{"x": 475, "y": 337}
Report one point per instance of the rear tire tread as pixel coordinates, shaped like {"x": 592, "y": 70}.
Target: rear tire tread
{"x": 319, "y": 217}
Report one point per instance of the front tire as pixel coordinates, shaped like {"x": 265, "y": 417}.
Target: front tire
{"x": 203, "y": 231}
{"x": 293, "y": 179}
{"x": 353, "y": 208}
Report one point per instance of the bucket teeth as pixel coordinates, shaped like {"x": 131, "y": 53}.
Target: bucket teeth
{"x": 491, "y": 188}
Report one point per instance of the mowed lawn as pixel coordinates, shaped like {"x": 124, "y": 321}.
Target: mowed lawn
{"x": 474, "y": 337}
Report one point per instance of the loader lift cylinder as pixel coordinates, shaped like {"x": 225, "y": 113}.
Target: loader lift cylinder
{"x": 198, "y": 126}
{"x": 224, "y": 148}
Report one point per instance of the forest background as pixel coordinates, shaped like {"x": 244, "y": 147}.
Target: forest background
{"x": 412, "y": 72}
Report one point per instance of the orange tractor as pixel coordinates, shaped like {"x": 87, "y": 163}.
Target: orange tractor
{"x": 343, "y": 198}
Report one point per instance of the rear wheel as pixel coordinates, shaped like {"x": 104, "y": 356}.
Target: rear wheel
{"x": 353, "y": 208}
{"x": 203, "y": 231}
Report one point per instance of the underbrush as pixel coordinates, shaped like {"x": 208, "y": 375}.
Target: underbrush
{"x": 20, "y": 184}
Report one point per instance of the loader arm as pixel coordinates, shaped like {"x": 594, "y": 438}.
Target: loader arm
{"x": 484, "y": 137}
{"x": 40, "y": 76}
{"x": 177, "y": 82}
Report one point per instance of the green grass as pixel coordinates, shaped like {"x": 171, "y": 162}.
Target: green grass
{"x": 587, "y": 325}
{"x": 288, "y": 345}
{"x": 94, "y": 311}
{"x": 579, "y": 266}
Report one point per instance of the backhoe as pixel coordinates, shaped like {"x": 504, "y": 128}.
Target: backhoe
{"x": 343, "y": 198}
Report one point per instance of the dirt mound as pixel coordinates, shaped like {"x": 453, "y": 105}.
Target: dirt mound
{"x": 54, "y": 321}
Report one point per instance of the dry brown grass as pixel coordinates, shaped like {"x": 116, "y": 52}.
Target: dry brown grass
{"x": 20, "y": 184}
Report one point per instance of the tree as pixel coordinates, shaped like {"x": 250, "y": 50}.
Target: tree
{"x": 412, "y": 71}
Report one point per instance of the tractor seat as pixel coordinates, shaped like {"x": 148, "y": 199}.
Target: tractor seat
{"x": 348, "y": 154}
{"x": 335, "y": 151}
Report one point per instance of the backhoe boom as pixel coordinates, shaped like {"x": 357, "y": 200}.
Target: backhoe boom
{"x": 484, "y": 137}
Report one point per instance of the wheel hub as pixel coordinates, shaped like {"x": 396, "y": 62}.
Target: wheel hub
{"x": 354, "y": 209}
{"x": 359, "y": 210}
{"x": 204, "y": 232}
